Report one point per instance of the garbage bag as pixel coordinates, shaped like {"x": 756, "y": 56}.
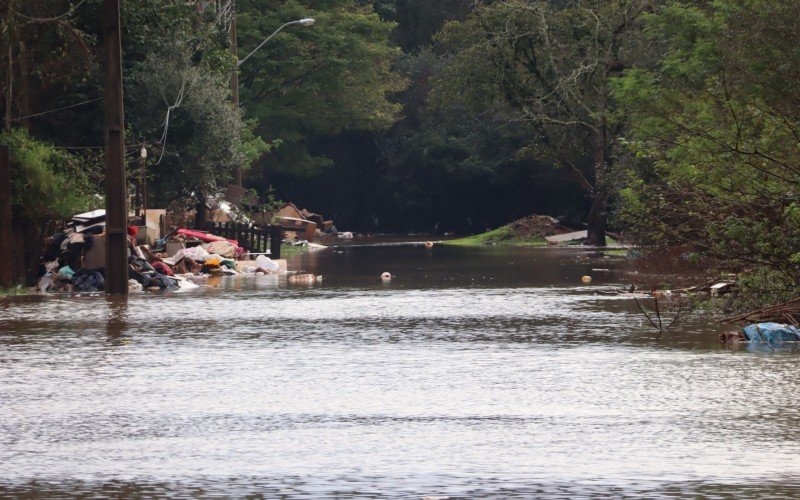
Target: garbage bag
{"x": 88, "y": 281}
{"x": 772, "y": 332}
{"x": 66, "y": 273}
{"x": 197, "y": 253}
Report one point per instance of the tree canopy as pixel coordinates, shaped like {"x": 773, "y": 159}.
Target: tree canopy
{"x": 715, "y": 126}
{"x": 309, "y": 83}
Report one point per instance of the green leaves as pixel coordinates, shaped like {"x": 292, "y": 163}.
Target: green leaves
{"x": 718, "y": 118}
{"x": 317, "y": 81}
{"x": 48, "y": 183}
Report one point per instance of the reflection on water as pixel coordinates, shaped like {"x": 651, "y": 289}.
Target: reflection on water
{"x": 473, "y": 373}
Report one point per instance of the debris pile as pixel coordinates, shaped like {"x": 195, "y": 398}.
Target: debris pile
{"x": 74, "y": 258}
{"x": 302, "y": 225}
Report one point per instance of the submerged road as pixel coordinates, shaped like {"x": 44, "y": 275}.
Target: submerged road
{"x": 474, "y": 373}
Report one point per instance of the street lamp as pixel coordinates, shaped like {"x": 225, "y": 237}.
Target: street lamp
{"x": 306, "y": 21}
{"x": 143, "y": 181}
{"x": 234, "y": 81}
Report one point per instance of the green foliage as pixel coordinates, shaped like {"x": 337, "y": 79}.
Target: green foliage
{"x": 762, "y": 287}
{"x": 48, "y": 183}
{"x": 178, "y": 99}
{"x": 202, "y": 142}
{"x": 314, "y": 82}
{"x": 715, "y": 127}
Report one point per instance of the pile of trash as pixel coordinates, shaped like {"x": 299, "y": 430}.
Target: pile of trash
{"x": 74, "y": 258}
{"x": 302, "y": 225}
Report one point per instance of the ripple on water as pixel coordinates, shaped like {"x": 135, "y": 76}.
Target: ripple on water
{"x": 522, "y": 391}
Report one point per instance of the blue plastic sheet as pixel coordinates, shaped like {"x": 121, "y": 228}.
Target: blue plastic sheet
{"x": 772, "y": 332}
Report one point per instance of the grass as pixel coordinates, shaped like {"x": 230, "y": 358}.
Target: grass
{"x": 502, "y": 236}
{"x": 288, "y": 250}
{"x": 13, "y": 291}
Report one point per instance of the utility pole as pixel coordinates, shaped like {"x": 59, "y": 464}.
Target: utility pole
{"x": 234, "y": 82}
{"x": 116, "y": 197}
{"x": 6, "y": 255}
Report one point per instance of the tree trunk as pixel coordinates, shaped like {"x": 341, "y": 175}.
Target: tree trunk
{"x": 597, "y": 220}
{"x": 597, "y": 214}
{"x": 201, "y": 215}
{"x": 23, "y": 92}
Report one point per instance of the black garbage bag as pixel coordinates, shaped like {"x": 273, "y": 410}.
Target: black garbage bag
{"x": 89, "y": 281}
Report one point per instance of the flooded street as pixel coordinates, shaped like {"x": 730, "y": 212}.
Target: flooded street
{"x": 474, "y": 373}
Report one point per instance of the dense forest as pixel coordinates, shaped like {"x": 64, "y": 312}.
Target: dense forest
{"x": 674, "y": 122}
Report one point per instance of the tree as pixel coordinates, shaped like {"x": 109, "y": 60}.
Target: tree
{"x": 716, "y": 127}
{"x": 550, "y": 64}
{"x": 311, "y": 83}
{"x": 463, "y": 169}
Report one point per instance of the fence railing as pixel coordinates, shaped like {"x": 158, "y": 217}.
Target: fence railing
{"x": 254, "y": 239}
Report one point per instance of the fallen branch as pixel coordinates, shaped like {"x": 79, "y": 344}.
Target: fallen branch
{"x": 780, "y": 312}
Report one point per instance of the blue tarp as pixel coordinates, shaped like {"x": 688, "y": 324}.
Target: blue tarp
{"x": 772, "y": 332}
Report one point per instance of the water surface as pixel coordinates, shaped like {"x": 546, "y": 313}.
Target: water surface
{"x": 474, "y": 373}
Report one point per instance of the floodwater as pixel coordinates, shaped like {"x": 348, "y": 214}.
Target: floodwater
{"x": 473, "y": 374}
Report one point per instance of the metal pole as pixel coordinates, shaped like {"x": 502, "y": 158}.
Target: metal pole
{"x": 234, "y": 82}
{"x": 6, "y": 257}
{"x": 116, "y": 198}
{"x": 144, "y": 188}
{"x": 6, "y": 261}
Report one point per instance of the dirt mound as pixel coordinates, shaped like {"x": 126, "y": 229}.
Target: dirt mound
{"x": 536, "y": 225}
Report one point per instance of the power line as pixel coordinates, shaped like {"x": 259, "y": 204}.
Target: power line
{"x": 43, "y": 19}
{"x": 55, "y": 110}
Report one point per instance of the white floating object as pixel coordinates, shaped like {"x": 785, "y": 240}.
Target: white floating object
{"x": 267, "y": 264}
{"x": 386, "y": 276}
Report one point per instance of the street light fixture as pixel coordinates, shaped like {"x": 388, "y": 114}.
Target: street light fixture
{"x": 306, "y": 21}
{"x": 234, "y": 81}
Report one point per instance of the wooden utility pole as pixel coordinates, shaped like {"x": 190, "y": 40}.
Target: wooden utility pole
{"x": 116, "y": 197}
{"x": 6, "y": 254}
{"x": 234, "y": 81}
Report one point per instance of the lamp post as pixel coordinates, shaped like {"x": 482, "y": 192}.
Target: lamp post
{"x": 143, "y": 182}
{"x": 306, "y": 21}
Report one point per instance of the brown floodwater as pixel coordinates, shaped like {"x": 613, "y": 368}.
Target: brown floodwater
{"x": 473, "y": 373}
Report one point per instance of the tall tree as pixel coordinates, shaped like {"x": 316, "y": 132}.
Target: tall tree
{"x": 309, "y": 83}
{"x": 550, "y": 64}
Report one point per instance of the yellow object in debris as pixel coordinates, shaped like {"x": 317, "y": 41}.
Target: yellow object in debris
{"x": 213, "y": 262}
{"x": 586, "y": 279}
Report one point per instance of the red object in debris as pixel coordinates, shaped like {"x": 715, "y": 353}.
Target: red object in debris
{"x": 204, "y": 237}
{"x": 162, "y": 268}
{"x": 133, "y": 231}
